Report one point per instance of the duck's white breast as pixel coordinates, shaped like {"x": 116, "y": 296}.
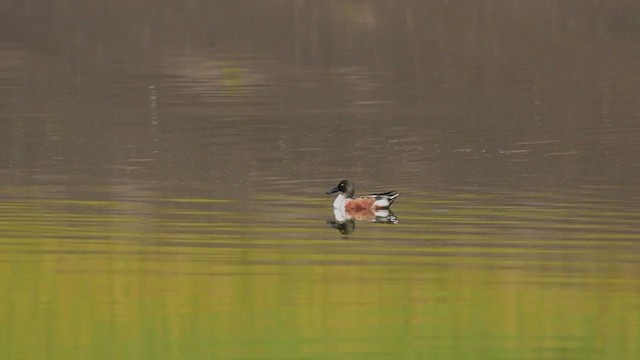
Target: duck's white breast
{"x": 341, "y": 215}
{"x": 339, "y": 202}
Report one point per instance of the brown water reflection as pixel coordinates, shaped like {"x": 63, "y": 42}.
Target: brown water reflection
{"x": 163, "y": 166}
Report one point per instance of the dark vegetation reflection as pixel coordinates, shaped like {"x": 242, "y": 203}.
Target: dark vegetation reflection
{"x": 448, "y": 94}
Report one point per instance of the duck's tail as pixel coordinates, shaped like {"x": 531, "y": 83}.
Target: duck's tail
{"x": 393, "y": 197}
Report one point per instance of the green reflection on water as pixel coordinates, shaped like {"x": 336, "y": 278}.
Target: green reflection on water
{"x": 107, "y": 279}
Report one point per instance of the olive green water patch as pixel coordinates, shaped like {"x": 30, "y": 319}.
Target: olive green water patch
{"x": 203, "y": 280}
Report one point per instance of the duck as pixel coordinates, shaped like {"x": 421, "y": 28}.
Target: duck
{"x": 347, "y": 201}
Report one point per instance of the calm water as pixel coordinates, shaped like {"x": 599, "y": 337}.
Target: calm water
{"x": 163, "y": 169}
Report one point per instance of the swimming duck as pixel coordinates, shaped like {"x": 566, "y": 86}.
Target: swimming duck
{"x": 349, "y": 203}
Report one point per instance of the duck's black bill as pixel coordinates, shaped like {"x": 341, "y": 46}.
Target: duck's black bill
{"x": 335, "y": 189}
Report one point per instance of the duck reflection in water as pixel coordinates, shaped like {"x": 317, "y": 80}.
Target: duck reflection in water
{"x": 369, "y": 208}
{"x": 345, "y": 221}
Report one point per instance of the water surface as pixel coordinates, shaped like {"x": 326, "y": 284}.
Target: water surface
{"x": 163, "y": 169}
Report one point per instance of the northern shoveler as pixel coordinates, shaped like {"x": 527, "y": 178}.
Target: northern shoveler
{"x": 349, "y": 203}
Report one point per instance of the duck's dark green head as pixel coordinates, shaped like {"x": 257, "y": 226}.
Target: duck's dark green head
{"x": 345, "y": 186}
